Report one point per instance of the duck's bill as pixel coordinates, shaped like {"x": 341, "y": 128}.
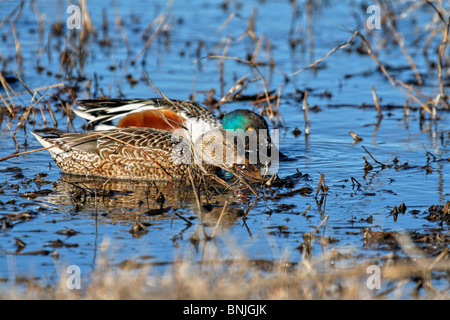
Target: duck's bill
{"x": 248, "y": 171}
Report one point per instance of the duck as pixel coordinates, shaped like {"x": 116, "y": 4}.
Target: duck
{"x": 142, "y": 153}
{"x": 189, "y": 119}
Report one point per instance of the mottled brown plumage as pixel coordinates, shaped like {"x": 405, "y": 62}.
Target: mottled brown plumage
{"x": 144, "y": 153}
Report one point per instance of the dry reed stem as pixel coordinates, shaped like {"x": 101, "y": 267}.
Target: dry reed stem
{"x": 441, "y": 51}
{"x": 258, "y": 45}
{"x": 306, "y": 210}
{"x": 33, "y": 95}
{"x": 101, "y": 134}
{"x": 197, "y": 199}
{"x": 87, "y": 27}
{"x": 5, "y": 86}
{"x": 239, "y": 277}
{"x": 315, "y": 63}
{"x": 306, "y": 115}
{"x": 69, "y": 121}
{"x": 370, "y": 52}
{"x": 230, "y": 17}
{"x": 16, "y": 154}
{"x": 18, "y": 50}
{"x": 138, "y": 148}
{"x": 380, "y": 163}
{"x": 235, "y": 90}
{"x": 118, "y": 22}
{"x": 319, "y": 186}
{"x": 424, "y": 106}
{"x": 278, "y": 105}
{"x": 250, "y": 31}
{"x": 8, "y": 17}
{"x": 441, "y": 64}
{"x": 61, "y": 84}
{"x": 220, "y": 219}
{"x": 411, "y": 88}
{"x": 250, "y": 63}
{"x": 10, "y": 110}
{"x": 213, "y": 176}
{"x": 248, "y": 210}
{"x": 377, "y": 104}
{"x": 26, "y": 114}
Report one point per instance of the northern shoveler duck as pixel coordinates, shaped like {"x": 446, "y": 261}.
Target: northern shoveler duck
{"x": 148, "y": 154}
{"x": 183, "y": 117}
{"x": 189, "y": 119}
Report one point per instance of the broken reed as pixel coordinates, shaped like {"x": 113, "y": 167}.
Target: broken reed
{"x": 377, "y": 104}
{"x": 306, "y": 115}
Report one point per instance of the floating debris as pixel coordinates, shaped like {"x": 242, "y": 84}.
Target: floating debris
{"x": 138, "y": 230}
{"x": 439, "y": 213}
{"x": 378, "y": 237}
{"x": 20, "y": 244}
{"x": 356, "y": 138}
{"x": 35, "y": 194}
{"x": 60, "y": 244}
{"x": 67, "y": 232}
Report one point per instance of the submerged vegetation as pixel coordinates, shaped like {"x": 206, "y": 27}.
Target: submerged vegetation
{"x": 320, "y": 223}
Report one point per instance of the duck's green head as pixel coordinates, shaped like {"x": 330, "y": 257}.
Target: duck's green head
{"x": 244, "y": 120}
{"x": 247, "y": 120}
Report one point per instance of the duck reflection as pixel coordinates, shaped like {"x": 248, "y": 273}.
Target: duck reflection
{"x": 123, "y": 200}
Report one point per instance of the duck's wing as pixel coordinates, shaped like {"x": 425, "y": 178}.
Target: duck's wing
{"x": 130, "y": 143}
{"x": 155, "y": 113}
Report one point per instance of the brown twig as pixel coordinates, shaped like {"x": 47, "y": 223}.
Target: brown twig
{"x": 118, "y": 22}
{"x": 380, "y": 163}
{"x": 220, "y": 219}
{"x": 398, "y": 38}
{"x": 377, "y": 104}
{"x": 315, "y": 63}
{"x": 19, "y": 58}
{"x": 250, "y": 63}
{"x": 135, "y": 147}
{"x": 320, "y": 187}
{"x": 16, "y": 154}
{"x": 150, "y": 40}
{"x": 11, "y": 112}
{"x": 306, "y": 210}
{"x": 222, "y": 64}
{"x": 306, "y": 115}
{"x": 5, "y": 86}
{"x": 32, "y": 94}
